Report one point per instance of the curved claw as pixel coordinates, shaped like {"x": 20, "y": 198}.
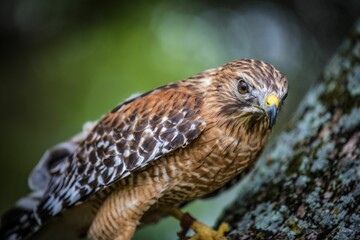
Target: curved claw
{"x": 203, "y": 232}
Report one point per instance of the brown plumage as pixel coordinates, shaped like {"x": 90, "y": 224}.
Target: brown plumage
{"x": 172, "y": 145}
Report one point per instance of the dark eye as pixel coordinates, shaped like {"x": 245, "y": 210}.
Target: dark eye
{"x": 243, "y": 87}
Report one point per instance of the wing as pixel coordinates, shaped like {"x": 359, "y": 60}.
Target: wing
{"x": 129, "y": 138}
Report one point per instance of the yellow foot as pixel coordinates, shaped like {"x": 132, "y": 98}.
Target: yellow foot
{"x": 203, "y": 232}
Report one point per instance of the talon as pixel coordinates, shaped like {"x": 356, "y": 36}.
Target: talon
{"x": 224, "y": 228}
{"x": 202, "y": 232}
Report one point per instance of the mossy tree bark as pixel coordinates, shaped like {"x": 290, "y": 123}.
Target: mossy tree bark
{"x": 308, "y": 185}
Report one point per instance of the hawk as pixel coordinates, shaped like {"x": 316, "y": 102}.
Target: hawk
{"x": 152, "y": 154}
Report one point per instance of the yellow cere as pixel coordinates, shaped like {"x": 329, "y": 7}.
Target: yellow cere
{"x": 271, "y": 100}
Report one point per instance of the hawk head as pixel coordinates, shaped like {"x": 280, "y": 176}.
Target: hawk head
{"x": 250, "y": 90}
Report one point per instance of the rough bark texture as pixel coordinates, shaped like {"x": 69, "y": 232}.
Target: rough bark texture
{"x": 308, "y": 186}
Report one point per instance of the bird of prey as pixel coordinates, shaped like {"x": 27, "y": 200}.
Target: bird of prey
{"x": 151, "y": 155}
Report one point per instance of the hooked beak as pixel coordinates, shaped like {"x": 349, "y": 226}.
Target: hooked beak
{"x": 272, "y": 104}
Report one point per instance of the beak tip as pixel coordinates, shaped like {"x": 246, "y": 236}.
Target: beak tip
{"x": 272, "y": 112}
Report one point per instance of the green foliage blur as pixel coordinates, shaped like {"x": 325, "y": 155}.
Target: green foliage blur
{"x": 67, "y": 62}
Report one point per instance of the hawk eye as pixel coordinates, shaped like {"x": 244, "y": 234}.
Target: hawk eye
{"x": 243, "y": 87}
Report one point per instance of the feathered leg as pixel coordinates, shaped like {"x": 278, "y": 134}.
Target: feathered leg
{"x": 121, "y": 212}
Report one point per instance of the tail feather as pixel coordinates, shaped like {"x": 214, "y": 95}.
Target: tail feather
{"x": 20, "y": 222}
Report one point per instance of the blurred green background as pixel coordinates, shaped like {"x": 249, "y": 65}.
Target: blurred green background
{"x": 67, "y": 62}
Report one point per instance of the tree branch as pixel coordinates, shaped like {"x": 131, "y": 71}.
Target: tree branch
{"x": 308, "y": 186}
